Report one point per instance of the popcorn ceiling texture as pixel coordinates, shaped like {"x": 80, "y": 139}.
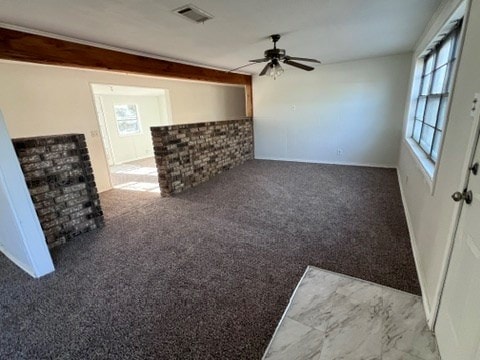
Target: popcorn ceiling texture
{"x": 188, "y": 155}
{"x": 59, "y": 176}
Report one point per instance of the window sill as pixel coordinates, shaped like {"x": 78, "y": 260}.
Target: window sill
{"x": 426, "y": 166}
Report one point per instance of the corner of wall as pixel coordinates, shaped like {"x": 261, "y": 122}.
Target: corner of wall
{"x": 416, "y": 254}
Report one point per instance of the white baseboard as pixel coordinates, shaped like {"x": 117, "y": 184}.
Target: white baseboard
{"x": 326, "y": 162}
{"x": 416, "y": 256}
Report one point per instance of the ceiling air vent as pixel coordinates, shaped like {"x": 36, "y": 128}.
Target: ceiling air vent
{"x": 193, "y": 13}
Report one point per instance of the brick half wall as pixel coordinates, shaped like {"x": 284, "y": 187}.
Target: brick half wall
{"x": 59, "y": 176}
{"x": 188, "y": 155}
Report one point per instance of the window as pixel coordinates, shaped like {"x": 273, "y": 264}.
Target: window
{"x": 434, "y": 87}
{"x": 127, "y": 119}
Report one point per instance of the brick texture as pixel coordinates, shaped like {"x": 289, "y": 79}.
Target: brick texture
{"x": 187, "y": 155}
{"x": 59, "y": 176}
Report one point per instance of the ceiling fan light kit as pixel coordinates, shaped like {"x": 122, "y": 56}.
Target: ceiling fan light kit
{"x": 274, "y": 56}
{"x": 274, "y": 69}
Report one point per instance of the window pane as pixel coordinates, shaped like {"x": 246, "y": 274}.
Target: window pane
{"x": 442, "y": 116}
{"x": 125, "y": 112}
{"x": 426, "y": 138}
{"x": 431, "y": 111}
{"x": 420, "y": 107}
{"x": 127, "y": 119}
{"x": 426, "y": 84}
{"x": 436, "y": 145}
{"x": 444, "y": 53}
{"x": 439, "y": 80}
{"x": 430, "y": 61}
{"x": 128, "y": 126}
{"x": 417, "y": 127}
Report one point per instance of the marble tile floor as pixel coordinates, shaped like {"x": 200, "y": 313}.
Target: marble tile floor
{"x": 335, "y": 317}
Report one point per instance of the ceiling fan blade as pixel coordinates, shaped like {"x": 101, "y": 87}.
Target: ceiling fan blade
{"x": 265, "y": 69}
{"x": 302, "y": 59}
{"x": 240, "y": 67}
{"x": 258, "y": 60}
{"x": 298, "y": 65}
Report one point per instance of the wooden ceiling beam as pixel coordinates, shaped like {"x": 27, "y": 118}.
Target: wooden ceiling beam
{"x": 21, "y": 46}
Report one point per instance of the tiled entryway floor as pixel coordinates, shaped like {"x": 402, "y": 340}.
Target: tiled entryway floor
{"x": 139, "y": 175}
{"x": 332, "y": 316}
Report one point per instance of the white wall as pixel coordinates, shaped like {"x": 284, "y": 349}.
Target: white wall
{"x": 21, "y": 237}
{"x": 355, "y": 106}
{"x": 46, "y": 100}
{"x": 152, "y": 111}
{"x": 432, "y": 216}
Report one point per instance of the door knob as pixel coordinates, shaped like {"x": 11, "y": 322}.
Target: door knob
{"x": 466, "y": 195}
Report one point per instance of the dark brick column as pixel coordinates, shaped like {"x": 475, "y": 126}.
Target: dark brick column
{"x": 59, "y": 176}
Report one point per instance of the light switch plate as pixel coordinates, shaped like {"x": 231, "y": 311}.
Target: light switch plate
{"x": 475, "y": 110}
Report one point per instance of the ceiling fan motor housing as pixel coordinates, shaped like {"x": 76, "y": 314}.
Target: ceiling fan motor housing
{"x": 275, "y": 54}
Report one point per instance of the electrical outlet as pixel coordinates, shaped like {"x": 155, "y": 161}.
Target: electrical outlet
{"x": 339, "y": 152}
{"x": 475, "y": 110}
{"x": 294, "y": 107}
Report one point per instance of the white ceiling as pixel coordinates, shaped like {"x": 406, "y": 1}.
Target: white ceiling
{"x": 330, "y": 30}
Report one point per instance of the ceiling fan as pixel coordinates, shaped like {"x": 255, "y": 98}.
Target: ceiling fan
{"x": 274, "y": 57}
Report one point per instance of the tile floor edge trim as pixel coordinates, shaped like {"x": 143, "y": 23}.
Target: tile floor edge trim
{"x": 285, "y": 312}
{"x": 362, "y": 280}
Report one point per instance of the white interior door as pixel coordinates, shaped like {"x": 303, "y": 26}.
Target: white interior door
{"x": 458, "y": 323}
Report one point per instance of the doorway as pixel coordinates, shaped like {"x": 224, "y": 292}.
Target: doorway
{"x": 125, "y": 115}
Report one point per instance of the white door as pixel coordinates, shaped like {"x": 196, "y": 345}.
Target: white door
{"x": 458, "y": 323}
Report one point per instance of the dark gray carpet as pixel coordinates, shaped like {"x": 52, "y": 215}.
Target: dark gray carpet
{"x": 207, "y": 274}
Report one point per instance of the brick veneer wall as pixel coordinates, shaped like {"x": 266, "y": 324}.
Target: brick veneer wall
{"x": 60, "y": 179}
{"x": 187, "y": 155}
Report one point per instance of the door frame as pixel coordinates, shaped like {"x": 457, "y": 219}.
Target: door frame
{"x": 100, "y": 112}
{"x": 473, "y": 142}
